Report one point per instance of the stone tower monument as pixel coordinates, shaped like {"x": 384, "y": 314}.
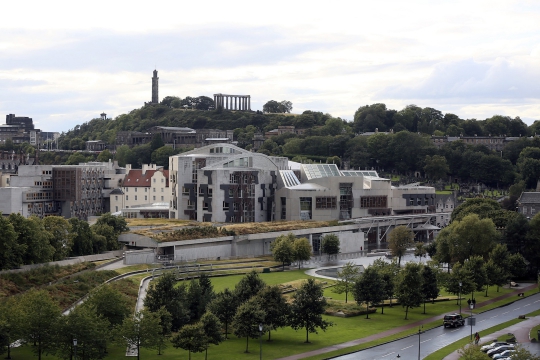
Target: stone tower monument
{"x": 155, "y": 88}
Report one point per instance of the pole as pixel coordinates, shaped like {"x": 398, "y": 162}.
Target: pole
{"x": 260, "y": 341}
{"x": 471, "y": 306}
{"x": 419, "y": 332}
{"x": 460, "y": 298}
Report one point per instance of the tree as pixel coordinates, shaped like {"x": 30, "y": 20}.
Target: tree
{"x": 273, "y": 106}
{"x": 475, "y": 266}
{"x": 224, "y": 306}
{"x": 105, "y": 156}
{"x": 481, "y": 207}
{"x": 10, "y": 324}
{"x": 275, "y": 307}
{"x": 165, "y": 293}
{"x": 436, "y": 167}
{"x": 302, "y": 250}
{"x": 90, "y": 330}
{"x": 330, "y": 244}
{"x": 12, "y": 252}
{"x": 282, "y": 249}
{"x": 346, "y": 279}
{"x": 399, "y": 239}
{"x": 39, "y": 320}
{"x": 166, "y": 324}
{"x": 109, "y": 303}
{"x": 31, "y": 233}
{"x": 60, "y": 230}
{"x": 457, "y": 276}
{"x": 466, "y": 238}
{"x": 472, "y": 352}
{"x": 307, "y": 308}
{"x": 248, "y": 286}
{"x": 523, "y": 354}
{"x": 123, "y": 154}
{"x": 82, "y": 237}
{"x": 389, "y": 272}
{"x": 369, "y": 288}
{"x": 76, "y": 159}
{"x": 156, "y": 142}
{"x": 420, "y": 250}
{"x": 517, "y": 266}
{"x": 161, "y": 156}
{"x": 190, "y": 338}
{"x": 212, "y": 330}
{"x": 409, "y": 287}
{"x": 430, "y": 287}
{"x": 247, "y": 319}
{"x": 142, "y": 330}
{"x": 496, "y": 275}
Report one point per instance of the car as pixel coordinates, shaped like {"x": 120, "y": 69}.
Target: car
{"x": 499, "y": 350}
{"x": 453, "y": 320}
{"x": 505, "y": 354}
{"x": 493, "y": 345}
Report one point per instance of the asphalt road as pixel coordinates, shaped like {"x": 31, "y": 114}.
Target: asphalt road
{"x": 437, "y": 338}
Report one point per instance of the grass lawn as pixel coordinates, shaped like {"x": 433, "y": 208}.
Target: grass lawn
{"x": 443, "y": 192}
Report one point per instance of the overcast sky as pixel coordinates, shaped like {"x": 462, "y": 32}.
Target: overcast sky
{"x": 64, "y": 62}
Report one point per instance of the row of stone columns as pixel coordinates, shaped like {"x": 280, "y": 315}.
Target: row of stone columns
{"x": 233, "y": 102}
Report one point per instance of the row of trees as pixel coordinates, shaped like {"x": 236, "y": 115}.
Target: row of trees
{"x": 33, "y": 240}
{"x": 287, "y": 248}
{"x": 198, "y": 315}
{"x": 34, "y": 318}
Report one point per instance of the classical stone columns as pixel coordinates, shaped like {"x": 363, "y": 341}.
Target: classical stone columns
{"x": 233, "y": 102}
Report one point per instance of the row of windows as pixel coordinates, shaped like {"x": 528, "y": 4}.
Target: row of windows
{"x": 126, "y": 189}
{"x": 373, "y": 202}
{"x": 39, "y": 196}
{"x": 145, "y": 198}
{"x": 326, "y": 202}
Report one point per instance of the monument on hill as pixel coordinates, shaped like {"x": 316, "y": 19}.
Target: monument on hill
{"x": 155, "y": 88}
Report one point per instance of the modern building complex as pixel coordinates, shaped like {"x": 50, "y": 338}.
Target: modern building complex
{"x": 224, "y": 183}
{"x": 65, "y": 190}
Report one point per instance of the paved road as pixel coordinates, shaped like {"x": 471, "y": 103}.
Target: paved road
{"x": 435, "y": 339}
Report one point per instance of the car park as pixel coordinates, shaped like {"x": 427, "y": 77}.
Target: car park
{"x": 493, "y": 345}
{"x": 499, "y": 350}
{"x": 453, "y": 320}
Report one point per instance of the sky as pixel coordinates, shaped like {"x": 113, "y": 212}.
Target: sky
{"x": 63, "y": 63}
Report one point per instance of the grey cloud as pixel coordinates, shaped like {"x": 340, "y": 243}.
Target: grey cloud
{"x": 472, "y": 81}
{"x": 197, "y": 48}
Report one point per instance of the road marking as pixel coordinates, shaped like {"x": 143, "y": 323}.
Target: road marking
{"x": 405, "y": 348}
{"x": 425, "y": 341}
{"x": 505, "y": 312}
{"x": 494, "y": 316}
{"x": 455, "y": 330}
{"x": 527, "y": 305}
{"x": 441, "y": 335}
{"x": 389, "y": 354}
{"x": 482, "y": 321}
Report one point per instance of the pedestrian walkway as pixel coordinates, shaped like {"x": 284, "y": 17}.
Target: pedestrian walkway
{"x": 400, "y": 329}
{"x": 520, "y": 330}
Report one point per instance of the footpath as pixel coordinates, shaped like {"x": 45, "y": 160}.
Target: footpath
{"x": 520, "y": 330}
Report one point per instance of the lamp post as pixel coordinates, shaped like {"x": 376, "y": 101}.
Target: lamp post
{"x": 460, "y": 297}
{"x": 75, "y": 348}
{"x": 260, "y": 340}
{"x": 419, "y": 332}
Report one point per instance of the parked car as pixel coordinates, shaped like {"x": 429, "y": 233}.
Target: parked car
{"x": 453, "y": 320}
{"x": 499, "y": 350}
{"x": 493, "y": 345}
{"x": 505, "y": 354}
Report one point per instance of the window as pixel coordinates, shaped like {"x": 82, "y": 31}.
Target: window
{"x": 154, "y": 189}
{"x": 210, "y": 192}
{"x": 127, "y": 198}
{"x": 127, "y": 189}
{"x": 154, "y": 180}
{"x": 116, "y": 197}
{"x": 190, "y": 205}
{"x": 116, "y": 208}
{"x": 135, "y": 197}
{"x": 145, "y": 189}
{"x": 162, "y": 181}
{"x": 145, "y": 197}
{"x": 185, "y": 191}
{"x": 524, "y": 210}
{"x": 225, "y": 206}
{"x": 135, "y": 189}
{"x": 162, "y": 198}
{"x": 205, "y": 206}
{"x": 154, "y": 198}
{"x": 375, "y": 201}
{"x": 325, "y": 202}
{"x": 162, "y": 190}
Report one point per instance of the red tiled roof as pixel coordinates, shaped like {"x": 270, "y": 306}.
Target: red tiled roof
{"x": 135, "y": 178}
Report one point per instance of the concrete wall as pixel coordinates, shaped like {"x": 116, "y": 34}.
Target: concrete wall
{"x": 139, "y": 257}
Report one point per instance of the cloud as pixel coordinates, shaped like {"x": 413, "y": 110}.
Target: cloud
{"x": 471, "y": 81}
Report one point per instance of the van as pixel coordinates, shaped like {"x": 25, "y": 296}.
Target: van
{"x": 453, "y": 320}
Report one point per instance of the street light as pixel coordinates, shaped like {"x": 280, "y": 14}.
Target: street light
{"x": 471, "y": 303}
{"x": 419, "y": 332}
{"x": 460, "y": 298}
{"x": 260, "y": 340}
{"x": 75, "y": 348}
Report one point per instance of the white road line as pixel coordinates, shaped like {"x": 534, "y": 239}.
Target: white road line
{"x": 505, "y": 312}
{"x": 389, "y": 354}
{"x": 425, "y": 341}
{"x": 441, "y": 335}
{"x": 527, "y": 305}
{"x": 455, "y": 330}
{"x": 405, "y": 348}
